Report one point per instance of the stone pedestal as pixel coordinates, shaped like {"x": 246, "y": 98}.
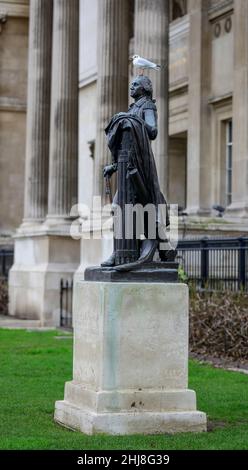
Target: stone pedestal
{"x": 42, "y": 258}
{"x": 130, "y": 370}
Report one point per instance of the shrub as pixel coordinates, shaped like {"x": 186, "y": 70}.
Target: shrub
{"x": 219, "y": 324}
{"x": 3, "y": 296}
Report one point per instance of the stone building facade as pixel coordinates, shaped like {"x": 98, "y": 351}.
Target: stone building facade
{"x": 76, "y": 55}
{"x": 13, "y": 103}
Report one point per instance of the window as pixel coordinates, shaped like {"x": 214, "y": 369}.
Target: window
{"x": 229, "y": 147}
{"x": 221, "y": 151}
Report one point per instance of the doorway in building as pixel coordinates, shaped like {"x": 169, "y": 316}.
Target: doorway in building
{"x": 178, "y": 169}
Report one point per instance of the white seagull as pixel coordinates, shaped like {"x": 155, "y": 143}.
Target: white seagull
{"x": 143, "y": 64}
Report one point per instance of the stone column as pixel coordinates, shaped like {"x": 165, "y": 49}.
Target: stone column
{"x": 112, "y": 81}
{"x": 38, "y": 110}
{"x": 198, "y": 164}
{"x": 63, "y": 162}
{"x": 46, "y": 253}
{"x": 151, "y": 40}
{"x": 239, "y": 206}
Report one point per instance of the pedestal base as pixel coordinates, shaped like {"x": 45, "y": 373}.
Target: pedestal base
{"x": 130, "y": 423}
{"x": 41, "y": 260}
{"x": 130, "y": 367}
{"x": 148, "y": 272}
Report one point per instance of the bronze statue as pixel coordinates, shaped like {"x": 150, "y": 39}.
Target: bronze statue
{"x": 129, "y": 135}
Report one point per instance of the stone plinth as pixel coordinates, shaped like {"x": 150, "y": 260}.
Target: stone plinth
{"x": 130, "y": 370}
{"x": 42, "y": 258}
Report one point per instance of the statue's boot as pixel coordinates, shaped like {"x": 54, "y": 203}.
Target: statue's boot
{"x": 109, "y": 262}
{"x": 148, "y": 248}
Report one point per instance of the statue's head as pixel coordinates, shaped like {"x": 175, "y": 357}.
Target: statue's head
{"x": 140, "y": 86}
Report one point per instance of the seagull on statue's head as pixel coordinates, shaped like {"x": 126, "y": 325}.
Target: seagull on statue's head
{"x": 143, "y": 64}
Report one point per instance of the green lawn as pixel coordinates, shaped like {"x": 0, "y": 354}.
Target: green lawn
{"x": 34, "y": 367}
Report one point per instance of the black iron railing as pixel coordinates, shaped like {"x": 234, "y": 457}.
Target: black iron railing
{"x": 216, "y": 264}
{"x": 6, "y": 261}
{"x": 66, "y": 293}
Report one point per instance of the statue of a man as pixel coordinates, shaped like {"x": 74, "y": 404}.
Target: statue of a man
{"x": 129, "y": 135}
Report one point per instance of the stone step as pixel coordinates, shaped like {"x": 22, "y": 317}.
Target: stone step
{"x": 9, "y": 322}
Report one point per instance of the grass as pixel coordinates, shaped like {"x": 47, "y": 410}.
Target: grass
{"x": 34, "y": 368}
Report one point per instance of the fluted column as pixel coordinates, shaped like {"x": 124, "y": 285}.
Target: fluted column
{"x": 112, "y": 81}
{"x": 38, "y": 110}
{"x": 151, "y": 40}
{"x": 239, "y": 206}
{"x": 64, "y": 110}
{"x": 199, "y": 122}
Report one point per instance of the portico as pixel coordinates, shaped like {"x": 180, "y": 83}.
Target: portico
{"x": 44, "y": 249}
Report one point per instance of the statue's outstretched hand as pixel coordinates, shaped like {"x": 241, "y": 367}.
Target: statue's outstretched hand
{"x": 109, "y": 170}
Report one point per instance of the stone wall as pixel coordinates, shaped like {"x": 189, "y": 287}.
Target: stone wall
{"x": 13, "y": 84}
